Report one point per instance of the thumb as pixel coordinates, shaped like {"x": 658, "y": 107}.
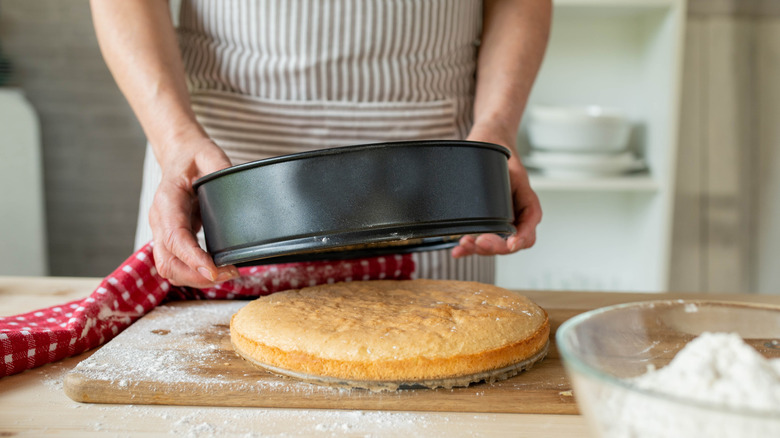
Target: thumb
{"x": 212, "y": 159}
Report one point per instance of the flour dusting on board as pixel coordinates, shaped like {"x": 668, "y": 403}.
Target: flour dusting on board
{"x": 201, "y": 422}
{"x": 181, "y": 346}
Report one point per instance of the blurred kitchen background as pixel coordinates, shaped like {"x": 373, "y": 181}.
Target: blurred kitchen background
{"x": 692, "y": 207}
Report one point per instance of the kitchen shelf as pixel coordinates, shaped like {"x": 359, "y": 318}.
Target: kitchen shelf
{"x": 628, "y": 183}
{"x": 614, "y": 233}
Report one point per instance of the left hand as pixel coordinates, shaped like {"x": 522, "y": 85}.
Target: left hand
{"x": 528, "y": 210}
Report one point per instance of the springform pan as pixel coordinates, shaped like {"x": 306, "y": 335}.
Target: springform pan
{"x": 355, "y": 201}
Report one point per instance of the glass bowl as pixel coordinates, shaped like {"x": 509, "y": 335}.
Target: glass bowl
{"x": 604, "y": 348}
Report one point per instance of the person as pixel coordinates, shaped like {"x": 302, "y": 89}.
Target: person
{"x": 250, "y": 79}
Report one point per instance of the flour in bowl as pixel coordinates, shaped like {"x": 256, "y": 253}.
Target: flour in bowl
{"x": 729, "y": 390}
{"x": 719, "y": 369}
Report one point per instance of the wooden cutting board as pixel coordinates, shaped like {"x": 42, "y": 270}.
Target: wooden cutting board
{"x": 180, "y": 354}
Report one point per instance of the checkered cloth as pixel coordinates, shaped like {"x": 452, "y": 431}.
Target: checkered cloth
{"x": 33, "y": 339}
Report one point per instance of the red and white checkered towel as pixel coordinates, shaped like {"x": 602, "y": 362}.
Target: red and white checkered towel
{"x": 33, "y": 339}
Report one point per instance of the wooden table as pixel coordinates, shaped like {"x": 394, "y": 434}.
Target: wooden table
{"x": 33, "y": 403}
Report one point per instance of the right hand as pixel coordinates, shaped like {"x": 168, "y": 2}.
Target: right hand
{"x": 175, "y": 217}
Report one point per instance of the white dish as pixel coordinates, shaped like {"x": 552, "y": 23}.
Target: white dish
{"x": 578, "y": 128}
{"x": 578, "y": 165}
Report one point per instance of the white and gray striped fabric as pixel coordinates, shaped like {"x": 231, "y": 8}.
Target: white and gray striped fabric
{"x": 273, "y": 77}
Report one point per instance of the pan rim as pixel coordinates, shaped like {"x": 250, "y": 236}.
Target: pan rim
{"x": 346, "y": 149}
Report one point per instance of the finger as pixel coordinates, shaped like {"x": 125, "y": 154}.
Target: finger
{"x": 515, "y": 242}
{"x": 211, "y": 160}
{"x": 491, "y": 244}
{"x": 527, "y": 221}
{"x": 467, "y": 240}
{"x": 173, "y": 232}
{"x": 459, "y": 252}
{"x": 465, "y": 247}
{"x": 185, "y": 248}
{"x": 175, "y": 271}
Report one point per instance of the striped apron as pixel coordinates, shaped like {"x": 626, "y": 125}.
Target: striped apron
{"x": 274, "y": 77}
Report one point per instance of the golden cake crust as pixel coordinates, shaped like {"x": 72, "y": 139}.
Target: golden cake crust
{"x": 409, "y": 330}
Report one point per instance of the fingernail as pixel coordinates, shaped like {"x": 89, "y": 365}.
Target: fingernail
{"x": 517, "y": 244}
{"x": 226, "y": 275}
{"x": 208, "y": 275}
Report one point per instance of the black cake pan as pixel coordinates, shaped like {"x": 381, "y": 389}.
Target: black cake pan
{"x": 355, "y": 201}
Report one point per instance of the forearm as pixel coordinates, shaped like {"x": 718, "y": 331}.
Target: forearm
{"x": 514, "y": 38}
{"x": 139, "y": 44}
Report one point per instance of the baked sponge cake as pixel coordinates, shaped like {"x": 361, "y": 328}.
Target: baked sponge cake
{"x": 393, "y": 333}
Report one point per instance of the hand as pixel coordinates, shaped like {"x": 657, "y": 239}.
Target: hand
{"x": 175, "y": 217}
{"x": 528, "y": 211}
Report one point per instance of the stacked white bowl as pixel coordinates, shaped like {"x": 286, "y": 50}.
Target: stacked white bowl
{"x": 580, "y": 141}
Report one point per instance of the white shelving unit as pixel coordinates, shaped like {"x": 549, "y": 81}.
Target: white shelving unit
{"x": 643, "y": 183}
{"x": 608, "y": 233}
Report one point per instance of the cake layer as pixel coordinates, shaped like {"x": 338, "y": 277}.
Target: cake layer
{"x": 391, "y": 330}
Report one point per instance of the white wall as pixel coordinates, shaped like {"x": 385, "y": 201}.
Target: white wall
{"x": 92, "y": 146}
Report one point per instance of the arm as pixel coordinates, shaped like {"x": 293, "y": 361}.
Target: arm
{"x": 138, "y": 42}
{"x": 514, "y": 38}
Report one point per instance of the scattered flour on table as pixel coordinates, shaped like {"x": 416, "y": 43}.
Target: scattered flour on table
{"x": 196, "y": 422}
{"x": 716, "y": 369}
{"x": 170, "y": 352}
{"x": 52, "y": 375}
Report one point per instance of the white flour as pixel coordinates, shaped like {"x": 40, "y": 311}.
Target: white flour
{"x": 715, "y": 369}
{"x": 720, "y": 369}
{"x": 202, "y": 422}
{"x": 169, "y": 351}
